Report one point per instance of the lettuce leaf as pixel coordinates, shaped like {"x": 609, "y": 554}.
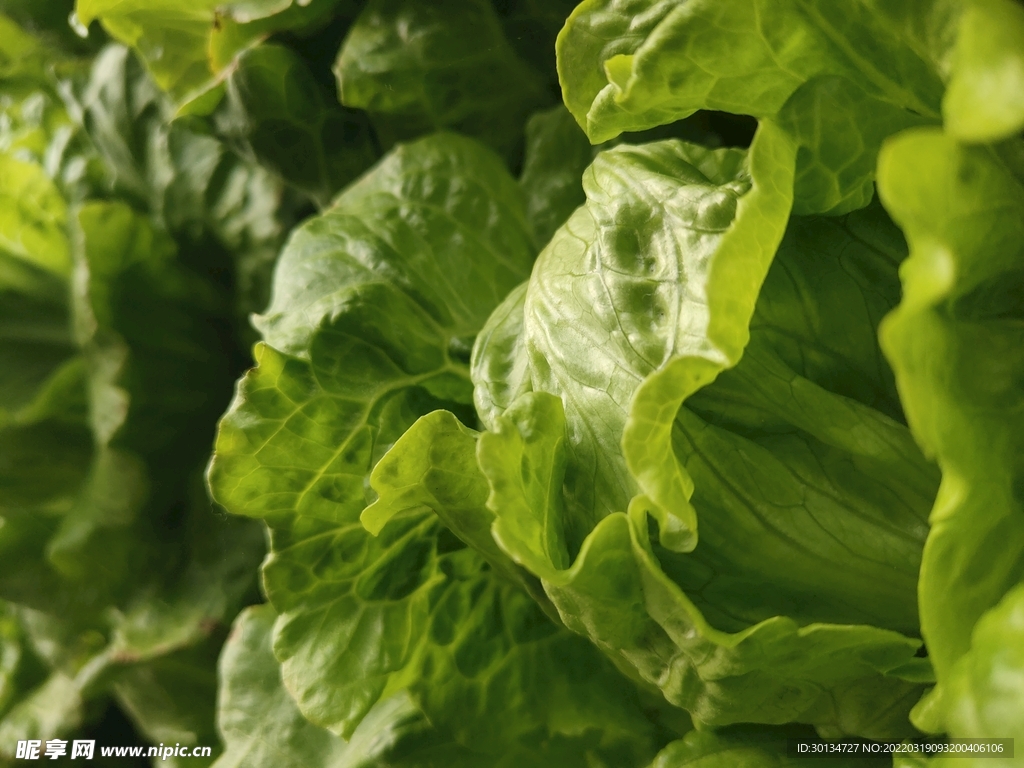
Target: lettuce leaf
{"x": 983, "y": 101}
{"x": 954, "y": 345}
{"x": 420, "y": 67}
{"x": 595, "y": 292}
{"x": 73, "y": 550}
{"x": 983, "y": 698}
{"x": 188, "y": 47}
{"x": 619, "y": 324}
{"x": 261, "y": 724}
{"x": 289, "y": 123}
{"x": 616, "y": 593}
{"x": 838, "y": 77}
{"x": 658, "y": 494}
{"x": 117, "y": 356}
{"x": 373, "y": 304}
{"x": 557, "y": 154}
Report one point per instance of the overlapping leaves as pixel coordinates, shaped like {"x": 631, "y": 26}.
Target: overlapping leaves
{"x": 187, "y": 47}
{"x": 954, "y": 344}
{"x": 455, "y": 71}
{"x": 375, "y": 305}
{"x": 839, "y": 77}
{"x": 605, "y": 308}
{"x": 116, "y": 360}
{"x": 73, "y": 549}
{"x": 694, "y": 453}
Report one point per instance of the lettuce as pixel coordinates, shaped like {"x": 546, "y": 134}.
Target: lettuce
{"x": 117, "y": 582}
{"x": 634, "y": 383}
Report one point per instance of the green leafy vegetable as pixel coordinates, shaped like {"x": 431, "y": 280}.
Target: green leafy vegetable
{"x": 291, "y": 126}
{"x": 953, "y": 343}
{"x": 983, "y": 699}
{"x": 600, "y": 413}
{"x": 984, "y": 101}
{"x": 188, "y": 47}
{"x": 557, "y": 154}
{"x": 340, "y": 357}
{"x": 429, "y": 66}
{"x": 462, "y": 644}
{"x": 116, "y": 354}
{"x": 612, "y": 282}
{"x": 839, "y": 77}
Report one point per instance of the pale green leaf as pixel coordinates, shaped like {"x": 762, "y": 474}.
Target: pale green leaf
{"x": 955, "y": 346}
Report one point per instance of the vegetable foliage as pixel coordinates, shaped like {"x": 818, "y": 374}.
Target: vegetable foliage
{"x": 636, "y": 383}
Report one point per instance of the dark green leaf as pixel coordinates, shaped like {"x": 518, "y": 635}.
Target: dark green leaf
{"x": 420, "y": 67}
